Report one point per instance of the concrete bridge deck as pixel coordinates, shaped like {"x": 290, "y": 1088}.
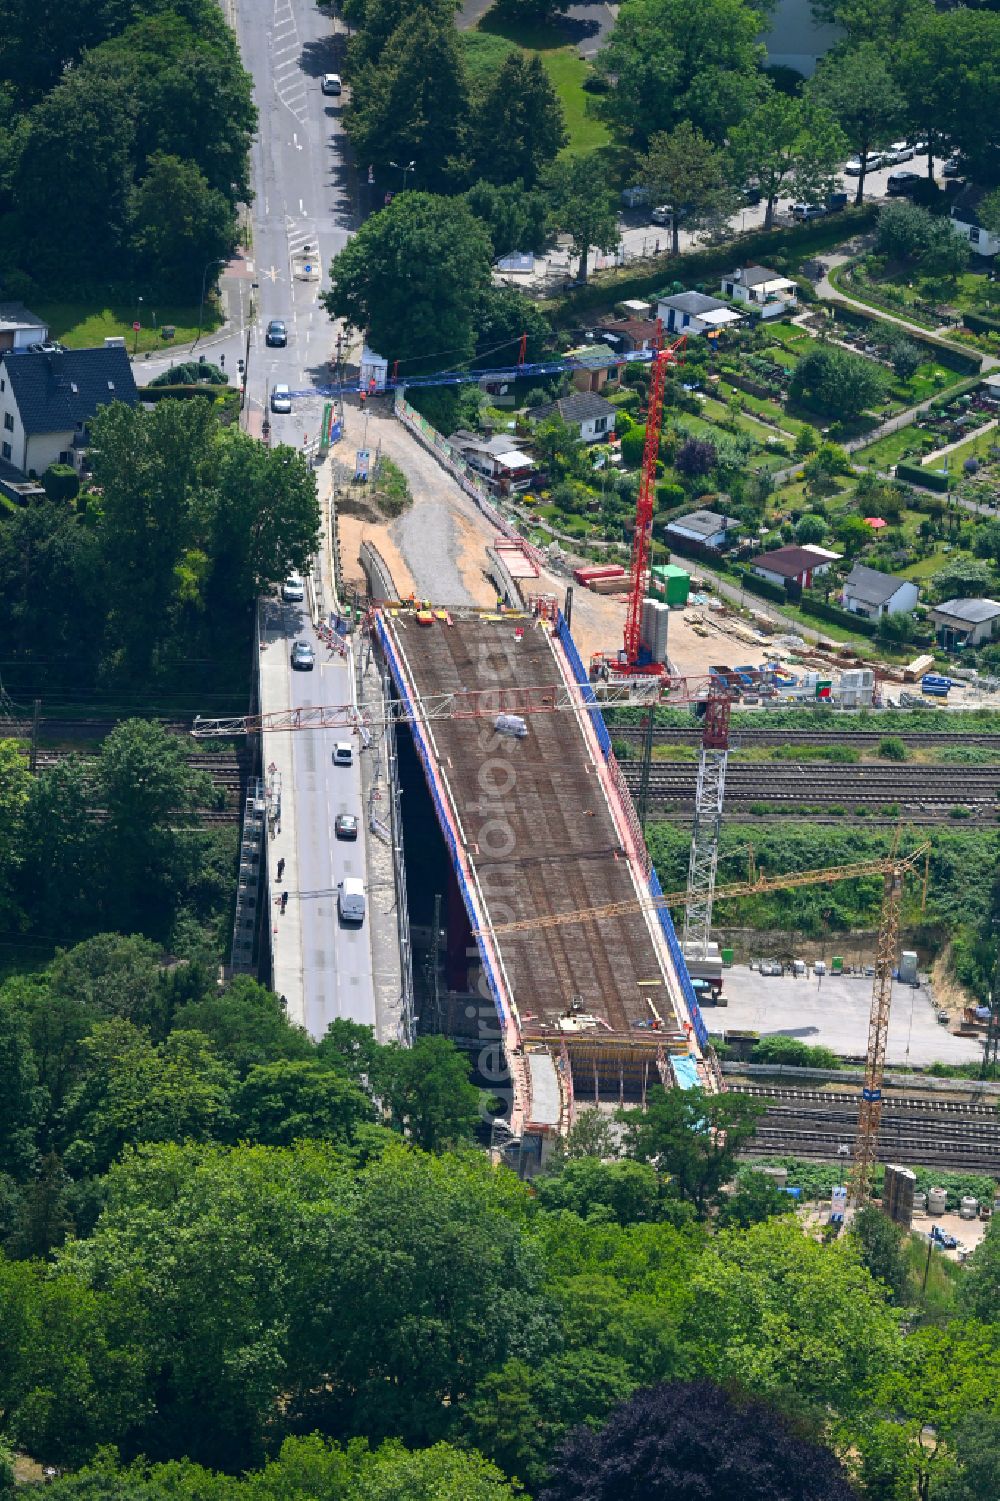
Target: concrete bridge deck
{"x": 535, "y": 827}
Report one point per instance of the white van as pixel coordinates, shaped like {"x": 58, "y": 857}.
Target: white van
{"x": 351, "y": 900}
{"x": 343, "y": 753}
{"x": 510, "y": 724}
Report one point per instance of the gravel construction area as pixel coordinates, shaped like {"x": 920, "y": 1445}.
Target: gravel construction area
{"x": 832, "y": 1012}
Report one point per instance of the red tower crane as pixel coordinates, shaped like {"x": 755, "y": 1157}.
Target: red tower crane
{"x": 646, "y": 502}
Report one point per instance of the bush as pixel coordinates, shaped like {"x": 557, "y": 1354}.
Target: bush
{"x": 891, "y": 748}
{"x": 191, "y": 373}
{"x": 61, "y": 482}
{"x": 632, "y": 445}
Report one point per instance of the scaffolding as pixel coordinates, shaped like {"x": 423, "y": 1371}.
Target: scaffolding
{"x": 709, "y": 798}
{"x": 248, "y": 893}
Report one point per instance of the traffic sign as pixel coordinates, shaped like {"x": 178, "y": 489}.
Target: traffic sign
{"x": 136, "y": 327}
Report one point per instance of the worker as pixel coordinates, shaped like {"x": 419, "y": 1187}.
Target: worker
{"x": 284, "y": 900}
{"x": 281, "y": 868}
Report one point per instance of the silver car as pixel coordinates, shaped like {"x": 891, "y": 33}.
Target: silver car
{"x": 303, "y": 657}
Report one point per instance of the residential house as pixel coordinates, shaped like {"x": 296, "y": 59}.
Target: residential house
{"x": 709, "y": 528}
{"x": 602, "y": 367}
{"x": 19, "y": 327}
{"x": 761, "y": 290}
{"x": 785, "y": 566}
{"x": 992, "y": 384}
{"x": 824, "y": 553}
{"x": 47, "y": 402}
{"x": 872, "y": 594}
{"x": 589, "y": 413}
{"x": 498, "y": 458}
{"x": 965, "y": 622}
{"x": 630, "y": 334}
{"x": 694, "y": 313}
{"x": 965, "y": 222}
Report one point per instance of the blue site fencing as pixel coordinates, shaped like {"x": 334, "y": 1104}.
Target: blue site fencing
{"x": 582, "y": 677}
{"x": 687, "y": 989}
{"x": 423, "y": 752}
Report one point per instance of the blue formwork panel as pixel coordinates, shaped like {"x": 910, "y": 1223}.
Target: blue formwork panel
{"x": 687, "y": 989}
{"x": 580, "y": 673}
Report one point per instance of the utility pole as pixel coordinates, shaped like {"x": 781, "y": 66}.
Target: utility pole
{"x": 246, "y": 358}
{"x": 992, "y": 1045}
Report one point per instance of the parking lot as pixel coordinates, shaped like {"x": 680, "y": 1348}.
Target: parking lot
{"x": 832, "y": 1011}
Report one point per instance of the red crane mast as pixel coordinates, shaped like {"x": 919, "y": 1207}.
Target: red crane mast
{"x": 647, "y": 498}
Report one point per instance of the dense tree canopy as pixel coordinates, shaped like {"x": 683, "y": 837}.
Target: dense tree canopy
{"x": 413, "y": 277}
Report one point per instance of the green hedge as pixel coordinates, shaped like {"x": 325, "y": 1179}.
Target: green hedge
{"x": 763, "y": 247}
{"x": 931, "y": 479}
{"x": 818, "y": 608}
{"x": 980, "y": 324}
{"x": 157, "y": 393}
{"x": 946, "y": 354}
{"x": 823, "y": 610}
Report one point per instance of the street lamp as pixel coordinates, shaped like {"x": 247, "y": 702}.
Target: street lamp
{"x": 400, "y": 168}
{"x": 135, "y": 327}
{"x": 201, "y": 304}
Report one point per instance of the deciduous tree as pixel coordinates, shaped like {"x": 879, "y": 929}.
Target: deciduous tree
{"x": 582, "y": 205}
{"x": 668, "y": 64}
{"x": 837, "y": 383}
{"x": 857, "y": 87}
{"x": 413, "y": 276}
{"x": 683, "y": 169}
{"x": 427, "y": 1092}
{"x": 694, "y": 1442}
{"x": 786, "y": 145}
{"x": 693, "y": 1137}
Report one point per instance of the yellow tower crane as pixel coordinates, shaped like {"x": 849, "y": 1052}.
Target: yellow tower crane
{"x": 892, "y": 869}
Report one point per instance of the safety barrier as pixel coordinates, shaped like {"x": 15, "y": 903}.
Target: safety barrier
{"x": 582, "y": 677}
{"x": 680, "y": 967}
{"x": 427, "y": 762}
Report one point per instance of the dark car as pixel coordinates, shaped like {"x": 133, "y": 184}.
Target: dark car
{"x": 953, "y": 167}
{"x": 277, "y": 334}
{"x": 902, "y": 183}
{"x": 345, "y": 826}
{"x": 303, "y": 656}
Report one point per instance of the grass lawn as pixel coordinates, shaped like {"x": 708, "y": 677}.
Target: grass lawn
{"x": 80, "y": 325}
{"x": 976, "y": 447}
{"x": 744, "y": 421}
{"x": 927, "y": 567}
{"x": 772, "y": 409}
{"x": 567, "y": 73}
{"x": 889, "y": 450}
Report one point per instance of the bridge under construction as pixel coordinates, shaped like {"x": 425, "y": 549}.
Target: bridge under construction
{"x": 536, "y": 824}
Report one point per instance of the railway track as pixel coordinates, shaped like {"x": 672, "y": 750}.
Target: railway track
{"x": 928, "y": 1133}
{"x": 793, "y": 781}
{"x": 860, "y": 739}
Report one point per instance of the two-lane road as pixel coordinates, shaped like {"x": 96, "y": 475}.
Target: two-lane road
{"x": 303, "y": 197}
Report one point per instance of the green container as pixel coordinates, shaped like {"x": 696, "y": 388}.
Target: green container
{"x": 670, "y": 584}
{"x": 837, "y": 965}
{"x": 727, "y": 958}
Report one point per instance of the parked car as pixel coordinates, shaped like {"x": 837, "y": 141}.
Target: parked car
{"x": 953, "y": 167}
{"x": 277, "y": 334}
{"x": 771, "y": 967}
{"x": 331, "y": 83}
{"x": 303, "y": 657}
{"x": 293, "y": 590}
{"x": 903, "y": 183}
{"x": 835, "y": 202}
{"x": 853, "y": 167}
{"x": 281, "y": 399}
{"x": 663, "y": 214}
{"x": 345, "y": 826}
{"x": 805, "y": 211}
